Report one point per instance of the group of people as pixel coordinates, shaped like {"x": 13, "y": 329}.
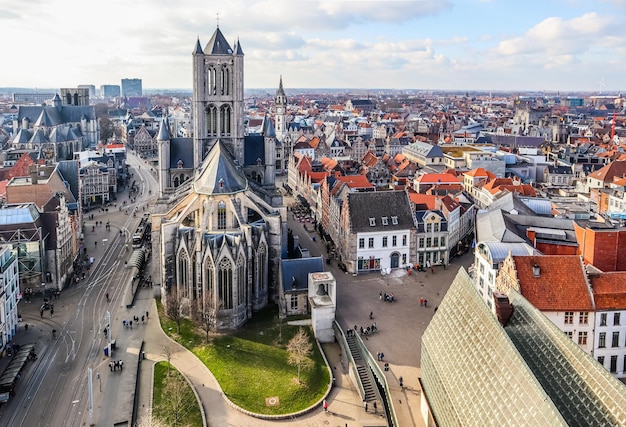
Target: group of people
{"x": 423, "y": 302}
{"x": 114, "y": 365}
{"x": 387, "y": 297}
{"x": 136, "y": 319}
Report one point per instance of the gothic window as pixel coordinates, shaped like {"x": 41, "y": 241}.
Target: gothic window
{"x": 241, "y": 281}
{"x": 225, "y": 120}
{"x": 225, "y": 283}
{"x": 261, "y": 267}
{"x": 183, "y": 274}
{"x": 221, "y": 215}
{"x": 211, "y": 80}
{"x": 225, "y": 81}
{"x": 176, "y": 182}
{"x": 210, "y": 273}
{"x": 212, "y": 121}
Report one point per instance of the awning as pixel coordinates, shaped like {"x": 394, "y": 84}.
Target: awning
{"x": 137, "y": 258}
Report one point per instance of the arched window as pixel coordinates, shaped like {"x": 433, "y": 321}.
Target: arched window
{"x": 241, "y": 281}
{"x": 209, "y": 277}
{"x": 212, "y": 121}
{"x": 262, "y": 267}
{"x": 225, "y": 120}
{"x": 176, "y": 182}
{"x": 211, "y": 81}
{"x": 225, "y": 81}
{"x": 221, "y": 215}
{"x": 225, "y": 284}
{"x": 183, "y": 275}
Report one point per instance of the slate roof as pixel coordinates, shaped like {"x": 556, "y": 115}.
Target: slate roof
{"x": 254, "y": 148}
{"x": 529, "y": 370}
{"x": 379, "y": 204}
{"x": 296, "y": 271}
{"x": 561, "y": 285}
{"x": 51, "y": 116}
{"x": 218, "y": 45}
{"x": 69, "y": 172}
{"x": 219, "y": 174}
{"x": 181, "y": 149}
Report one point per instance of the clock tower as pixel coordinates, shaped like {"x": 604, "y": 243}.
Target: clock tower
{"x": 280, "y": 102}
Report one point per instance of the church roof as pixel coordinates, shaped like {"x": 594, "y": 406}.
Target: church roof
{"x": 220, "y": 174}
{"x": 218, "y": 45}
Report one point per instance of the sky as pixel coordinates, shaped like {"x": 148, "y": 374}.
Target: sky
{"x": 508, "y": 45}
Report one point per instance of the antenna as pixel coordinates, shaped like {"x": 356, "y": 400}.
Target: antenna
{"x": 218, "y": 19}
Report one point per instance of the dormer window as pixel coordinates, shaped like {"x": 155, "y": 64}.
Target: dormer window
{"x": 372, "y": 222}
{"x": 385, "y": 220}
{"x": 394, "y": 220}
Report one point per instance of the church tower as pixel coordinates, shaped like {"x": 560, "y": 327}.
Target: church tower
{"x": 218, "y": 98}
{"x": 280, "y": 104}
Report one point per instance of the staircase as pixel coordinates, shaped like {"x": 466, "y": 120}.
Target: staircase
{"x": 365, "y": 375}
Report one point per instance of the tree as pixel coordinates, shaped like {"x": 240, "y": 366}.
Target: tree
{"x": 177, "y": 401}
{"x": 299, "y": 349}
{"x": 167, "y": 351}
{"x": 207, "y": 312}
{"x": 107, "y": 129}
{"x": 151, "y": 421}
{"x": 175, "y": 307}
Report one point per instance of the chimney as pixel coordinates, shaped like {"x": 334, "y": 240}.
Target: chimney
{"x": 536, "y": 271}
{"x": 504, "y": 309}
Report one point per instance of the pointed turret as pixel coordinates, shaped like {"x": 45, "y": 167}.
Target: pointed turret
{"x": 268, "y": 128}
{"x": 57, "y": 102}
{"x": 163, "y": 134}
{"x": 218, "y": 45}
{"x": 238, "y": 50}
{"x": 198, "y": 49}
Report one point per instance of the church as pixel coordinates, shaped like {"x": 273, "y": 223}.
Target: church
{"x": 219, "y": 226}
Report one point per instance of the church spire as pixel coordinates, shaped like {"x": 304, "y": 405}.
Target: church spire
{"x": 198, "y": 49}
{"x": 280, "y": 91}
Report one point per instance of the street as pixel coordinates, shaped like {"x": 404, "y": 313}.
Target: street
{"x": 54, "y": 390}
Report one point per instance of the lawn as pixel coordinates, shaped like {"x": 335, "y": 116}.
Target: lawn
{"x": 165, "y": 407}
{"x": 251, "y": 364}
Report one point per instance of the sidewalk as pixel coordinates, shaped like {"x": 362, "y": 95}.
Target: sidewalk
{"x": 345, "y": 406}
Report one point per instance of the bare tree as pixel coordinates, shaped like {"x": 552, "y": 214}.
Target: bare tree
{"x": 177, "y": 400}
{"x": 175, "y": 307}
{"x": 167, "y": 351}
{"x": 300, "y": 349}
{"x": 151, "y": 421}
{"x": 207, "y": 312}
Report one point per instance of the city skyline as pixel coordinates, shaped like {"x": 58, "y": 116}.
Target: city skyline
{"x": 562, "y": 45}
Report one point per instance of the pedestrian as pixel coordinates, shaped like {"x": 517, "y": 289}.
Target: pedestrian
{"x": 107, "y": 296}
{"x": 142, "y": 319}
{"x": 51, "y": 310}
{"x": 421, "y": 302}
{"x": 432, "y": 270}
{"x": 121, "y": 362}
{"x": 425, "y": 303}
{"x": 41, "y": 313}
{"x": 26, "y": 327}
{"x": 401, "y": 382}
{"x": 131, "y": 324}
{"x": 325, "y": 406}
{"x": 436, "y": 307}
{"x": 147, "y": 315}
{"x": 380, "y": 297}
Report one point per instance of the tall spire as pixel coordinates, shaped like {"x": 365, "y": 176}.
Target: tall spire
{"x": 280, "y": 91}
{"x": 198, "y": 49}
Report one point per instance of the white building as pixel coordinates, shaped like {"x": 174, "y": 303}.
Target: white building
{"x": 9, "y": 295}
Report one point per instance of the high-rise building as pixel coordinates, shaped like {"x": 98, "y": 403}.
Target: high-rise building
{"x": 109, "y": 91}
{"x": 131, "y": 87}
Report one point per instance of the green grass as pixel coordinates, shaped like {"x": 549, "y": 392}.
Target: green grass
{"x": 193, "y": 418}
{"x": 251, "y": 364}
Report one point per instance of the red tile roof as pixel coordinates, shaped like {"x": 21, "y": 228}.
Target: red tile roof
{"x": 609, "y": 290}
{"x": 423, "y": 199}
{"x": 561, "y": 285}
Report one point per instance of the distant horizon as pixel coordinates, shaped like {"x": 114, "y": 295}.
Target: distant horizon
{"x": 9, "y": 90}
